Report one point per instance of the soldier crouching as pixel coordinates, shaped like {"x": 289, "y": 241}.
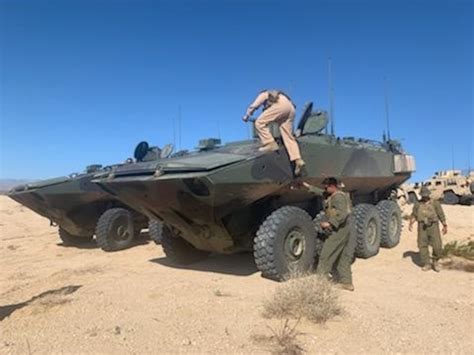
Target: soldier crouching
{"x": 428, "y": 213}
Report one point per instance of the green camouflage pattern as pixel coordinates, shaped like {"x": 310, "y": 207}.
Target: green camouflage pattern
{"x": 73, "y": 202}
{"x": 216, "y": 199}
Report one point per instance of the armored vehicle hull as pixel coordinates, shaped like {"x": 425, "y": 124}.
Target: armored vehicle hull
{"x": 76, "y": 205}
{"x": 81, "y": 209}
{"x": 218, "y": 200}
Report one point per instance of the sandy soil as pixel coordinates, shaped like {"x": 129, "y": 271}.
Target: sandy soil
{"x": 68, "y": 300}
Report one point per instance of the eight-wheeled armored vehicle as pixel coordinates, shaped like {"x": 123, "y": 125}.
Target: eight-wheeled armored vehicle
{"x": 233, "y": 198}
{"x": 81, "y": 209}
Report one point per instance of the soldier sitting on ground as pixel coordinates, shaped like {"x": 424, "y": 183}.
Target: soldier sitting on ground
{"x": 338, "y": 249}
{"x": 428, "y": 213}
{"x": 277, "y": 107}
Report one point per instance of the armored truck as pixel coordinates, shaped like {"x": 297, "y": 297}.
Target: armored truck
{"x": 451, "y": 187}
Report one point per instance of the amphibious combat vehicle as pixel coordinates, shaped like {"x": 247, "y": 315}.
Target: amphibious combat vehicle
{"x": 233, "y": 198}
{"x": 81, "y": 209}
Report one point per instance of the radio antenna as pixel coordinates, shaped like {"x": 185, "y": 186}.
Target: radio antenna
{"x": 179, "y": 127}
{"x": 173, "y": 124}
{"x": 331, "y": 96}
{"x": 387, "y": 117}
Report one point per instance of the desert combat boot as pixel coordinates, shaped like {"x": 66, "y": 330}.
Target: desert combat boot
{"x": 299, "y": 165}
{"x": 427, "y": 267}
{"x": 269, "y": 147}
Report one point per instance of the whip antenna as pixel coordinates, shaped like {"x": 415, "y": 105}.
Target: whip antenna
{"x": 173, "y": 123}
{"x": 179, "y": 126}
{"x": 387, "y": 117}
{"x": 331, "y": 96}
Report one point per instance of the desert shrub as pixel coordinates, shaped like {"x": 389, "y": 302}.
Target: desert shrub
{"x": 309, "y": 297}
{"x": 460, "y": 249}
{"x": 284, "y": 339}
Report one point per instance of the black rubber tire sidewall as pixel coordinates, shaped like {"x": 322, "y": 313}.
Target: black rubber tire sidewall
{"x": 104, "y": 230}
{"x": 155, "y": 230}
{"x": 178, "y": 250}
{"x": 320, "y": 236}
{"x": 450, "y": 198}
{"x": 72, "y": 240}
{"x": 362, "y": 214}
{"x": 412, "y": 198}
{"x": 269, "y": 244}
{"x": 387, "y": 209}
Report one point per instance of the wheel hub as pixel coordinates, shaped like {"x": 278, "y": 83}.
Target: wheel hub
{"x": 393, "y": 227}
{"x": 371, "y": 231}
{"x": 294, "y": 245}
{"x": 121, "y": 229}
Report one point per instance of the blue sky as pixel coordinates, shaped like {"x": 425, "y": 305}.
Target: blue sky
{"x": 83, "y": 81}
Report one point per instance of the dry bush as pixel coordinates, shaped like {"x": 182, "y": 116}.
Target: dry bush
{"x": 461, "y": 249}
{"x": 284, "y": 340}
{"x": 310, "y": 297}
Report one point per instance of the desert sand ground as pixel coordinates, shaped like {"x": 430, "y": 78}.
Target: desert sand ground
{"x": 70, "y": 300}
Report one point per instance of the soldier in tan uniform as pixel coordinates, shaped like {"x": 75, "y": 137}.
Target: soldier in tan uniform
{"x": 428, "y": 213}
{"x": 277, "y": 107}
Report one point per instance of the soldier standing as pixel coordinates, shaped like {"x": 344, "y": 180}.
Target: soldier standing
{"x": 338, "y": 249}
{"x": 428, "y": 213}
{"x": 277, "y": 107}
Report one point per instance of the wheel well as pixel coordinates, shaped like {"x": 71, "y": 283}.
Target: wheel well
{"x": 85, "y": 217}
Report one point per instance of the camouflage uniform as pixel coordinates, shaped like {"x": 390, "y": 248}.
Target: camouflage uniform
{"x": 428, "y": 214}
{"x": 337, "y": 250}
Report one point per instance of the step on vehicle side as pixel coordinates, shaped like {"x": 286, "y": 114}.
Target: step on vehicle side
{"x": 232, "y": 198}
{"x": 81, "y": 209}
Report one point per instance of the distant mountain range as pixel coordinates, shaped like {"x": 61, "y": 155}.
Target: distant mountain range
{"x": 7, "y": 184}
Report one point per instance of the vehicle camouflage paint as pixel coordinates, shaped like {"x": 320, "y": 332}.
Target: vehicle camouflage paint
{"x": 76, "y": 204}
{"x": 217, "y": 199}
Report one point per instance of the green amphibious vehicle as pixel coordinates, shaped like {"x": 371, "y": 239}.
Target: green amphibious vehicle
{"x": 81, "y": 209}
{"x": 233, "y": 198}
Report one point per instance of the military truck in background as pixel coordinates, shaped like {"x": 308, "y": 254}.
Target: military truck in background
{"x": 232, "y": 198}
{"x": 81, "y": 209}
{"x": 451, "y": 187}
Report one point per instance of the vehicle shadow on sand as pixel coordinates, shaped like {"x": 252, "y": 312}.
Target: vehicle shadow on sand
{"x": 142, "y": 239}
{"x": 236, "y": 264}
{"x": 415, "y": 257}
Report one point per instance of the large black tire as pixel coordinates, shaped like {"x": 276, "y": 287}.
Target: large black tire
{"x": 366, "y": 230}
{"x": 115, "y": 230}
{"x": 285, "y": 244}
{"x": 450, "y": 198}
{"x": 412, "y": 198}
{"x": 390, "y": 223}
{"x": 321, "y": 236}
{"x": 178, "y": 250}
{"x": 466, "y": 200}
{"x": 72, "y": 240}
{"x": 155, "y": 230}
